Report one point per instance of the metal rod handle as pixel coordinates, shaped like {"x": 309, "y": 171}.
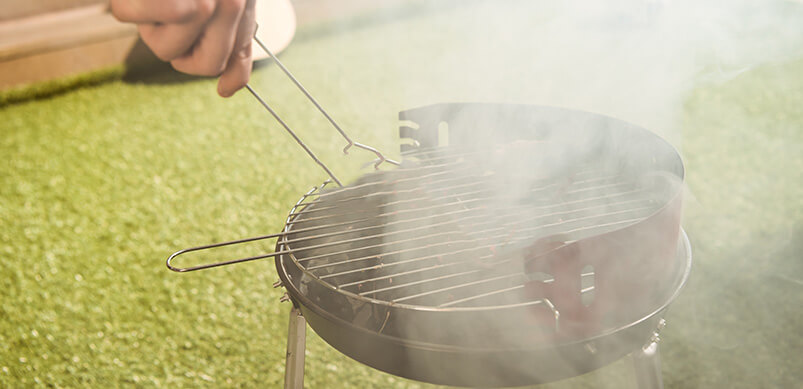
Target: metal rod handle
{"x": 240, "y": 241}
{"x": 223, "y": 263}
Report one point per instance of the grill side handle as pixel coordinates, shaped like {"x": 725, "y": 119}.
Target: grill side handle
{"x": 279, "y": 236}
{"x": 174, "y": 268}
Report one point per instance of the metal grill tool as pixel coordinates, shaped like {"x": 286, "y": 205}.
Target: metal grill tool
{"x": 380, "y": 158}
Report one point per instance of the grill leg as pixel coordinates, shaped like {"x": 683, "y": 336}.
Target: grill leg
{"x": 296, "y": 344}
{"x": 647, "y": 363}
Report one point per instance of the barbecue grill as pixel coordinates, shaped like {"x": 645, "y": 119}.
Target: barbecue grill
{"x": 512, "y": 245}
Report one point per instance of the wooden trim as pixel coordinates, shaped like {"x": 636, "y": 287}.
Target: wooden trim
{"x": 60, "y": 44}
{"x": 17, "y": 9}
{"x": 54, "y": 64}
{"x": 58, "y": 31}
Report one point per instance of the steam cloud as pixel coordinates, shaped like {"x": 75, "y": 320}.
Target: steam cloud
{"x": 633, "y": 60}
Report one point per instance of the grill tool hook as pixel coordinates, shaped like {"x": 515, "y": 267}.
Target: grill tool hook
{"x": 380, "y": 158}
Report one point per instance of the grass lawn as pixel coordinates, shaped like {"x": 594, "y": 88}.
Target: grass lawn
{"x": 100, "y": 183}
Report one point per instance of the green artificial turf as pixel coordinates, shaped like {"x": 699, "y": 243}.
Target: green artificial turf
{"x": 100, "y": 183}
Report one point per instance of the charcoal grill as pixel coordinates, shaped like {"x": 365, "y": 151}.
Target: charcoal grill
{"x": 513, "y": 245}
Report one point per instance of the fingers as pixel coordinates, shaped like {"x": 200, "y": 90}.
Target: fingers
{"x": 208, "y": 57}
{"x": 169, "y": 28}
{"x": 170, "y": 41}
{"x": 200, "y": 37}
{"x": 238, "y": 68}
{"x": 160, "y": 11}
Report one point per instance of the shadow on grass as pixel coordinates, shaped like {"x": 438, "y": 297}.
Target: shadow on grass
{"x": 142, "y": 67}
{"x": 54, "y": 88}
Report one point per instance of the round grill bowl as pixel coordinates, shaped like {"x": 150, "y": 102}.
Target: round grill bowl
{"x": 505, "y": 345}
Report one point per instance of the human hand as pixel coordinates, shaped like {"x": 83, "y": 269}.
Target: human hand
{"x": 199, "y": 37}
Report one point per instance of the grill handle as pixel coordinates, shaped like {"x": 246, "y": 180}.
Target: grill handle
{"x": 223, "y": 263}
{"x": 240, "y": 241}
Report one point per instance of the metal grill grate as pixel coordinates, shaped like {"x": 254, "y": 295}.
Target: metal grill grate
{"x": 445, "y": 232}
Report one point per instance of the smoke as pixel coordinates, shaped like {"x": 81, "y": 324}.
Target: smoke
{"x": 630, "y": 59}
{"x": 633, "y": 60}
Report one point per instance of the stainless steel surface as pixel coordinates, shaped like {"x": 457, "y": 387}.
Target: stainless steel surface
{"x": 296, "y": 345}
